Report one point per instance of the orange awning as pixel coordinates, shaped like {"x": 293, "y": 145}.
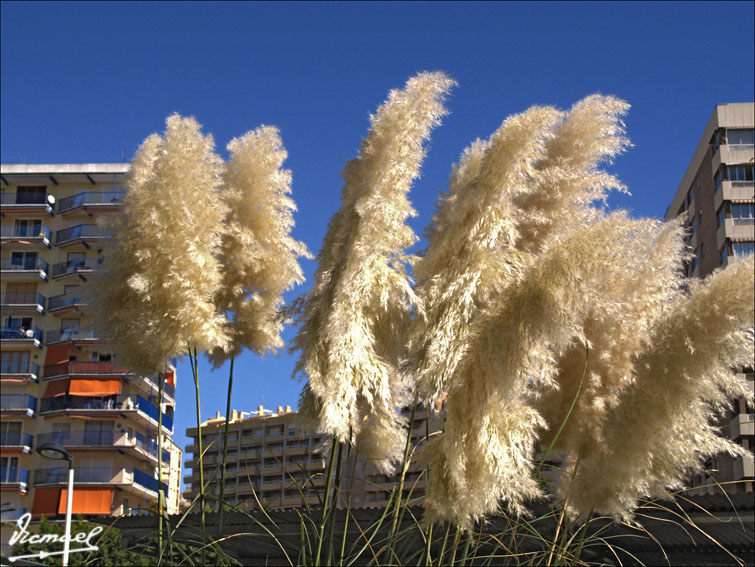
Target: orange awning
{"x": 87, "y": 501}
{"x": 57, "y": 388}
{"x": 57, "y": 354}
{"x": 46, "y": 501}
{"x": 170, "y": 377}
{"x": 95, "y": 386}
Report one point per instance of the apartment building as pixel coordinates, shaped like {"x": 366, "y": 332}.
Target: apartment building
{"x": 271, "y": 457}
{"x": 60, "y": 382}
{"x": 268, "y": 455}
{"x": 717, "y": 197}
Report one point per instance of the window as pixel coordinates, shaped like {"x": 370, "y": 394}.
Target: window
{"x": 720, "y": 216}
{"x": 9, "y": 469}
{"x": 724, "y": 254}
{"x": 690, "y": 194}
{"x": 15, "y": 362}
{"x": 27, "y": 227}
{"x": 23, "y": 260}
{"x": 718, "y": 178}
{"x": 18, "y": 323}
{"x": 702, "y": 251}
{"x": 36, "y": 195}
{"x": 742, "y": 249}
{"x": 716, "y": 141}
{"x": 291, "y": 431}
{"x": 740, "y": 137}
{"x": 743, "y": 210}
{"x": 75, "y": 260}
{"x": 700, "y": 218}
{"x": 740, "y": 174}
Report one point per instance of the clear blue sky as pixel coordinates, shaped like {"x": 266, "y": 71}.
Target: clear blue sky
{"x": 81, "y": 82}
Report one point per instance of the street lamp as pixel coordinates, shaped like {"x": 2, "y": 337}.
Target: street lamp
{"x": 58, "y": 453}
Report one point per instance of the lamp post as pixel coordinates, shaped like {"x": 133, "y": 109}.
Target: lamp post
{"x": 58, "y": 453}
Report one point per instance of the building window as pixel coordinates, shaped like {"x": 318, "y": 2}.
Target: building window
{"x": 743, "y": 211}
{"x": 31, "y": 195}
{"x": 742, "y": 249}
{"x": 720, "y": 216}
{"x": 718, "y": 178}
{"x": 693, "y": 265}
{"x": 15, "y": 362}
{"x": 702, "y": 251}
{"x": 724, "y": 254}
{"x": 23, "y": 260}
{"x": 690, "y": 194}
{"x": 741, "y": 175}
{"x": 741, "y": 139}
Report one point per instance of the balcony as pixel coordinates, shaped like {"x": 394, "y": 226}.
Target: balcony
{"x": 150, "y": 447}
{"x": 11, "y": 513}
{"x": 19, "y": 477}
{"x": 84, "y": 368}
{"x": 78, "y": 268}
{"x": 149, "y": 482}
{"x": 73, "y": 334}
{"x": 82, "y": 475}
{"x": 23, "y": 301}
{"x": 16, "y": 440}
{"x": 87, "y": 439}
{"x": 154, "y": 384}
{"x": 19, "y": 369}
{"x": 18, "y": 403}
{"x": 91, "y": 202}
{"x": 28, "y": 267}
{"x": 32, "y": 202}
{"x": 735, "y": 229}
{"x": 25, "y": 234}
{"x": 84, "y": 234}
{"x": 117, "y": 404}
{"x": 65, "y": 302}
{"x": 743, "y": 425}
{"x": 19, "y": 337}
{"x": 734, "y": 191}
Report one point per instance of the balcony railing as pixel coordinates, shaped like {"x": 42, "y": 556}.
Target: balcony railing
{"x": 150, "y": 446}
{"x": 72, "y": 267}
{"x": 82, "y": 231}
{"x": 19, "y": 367}
{"x": 13, "y": 402}
{"x": 26, "y": 263}
{"x": 26, "y": 231}
{"x": 83, "y": 367}
{"x": 15, "y": 439}
{"x": 8, "y": 334}
{"x": 65, "y": 300}
{"x": 30, "y": 198}
{"x": 13, "y": 475}
{"x": 70, "y": 334}
{"x": 148, "y": 482}
{"x": 82, "y": 474}
{"x": 120, "y": 402}
{"x": 167, "y": 388}
{"x": 90, "y": 198}
{"x": 23, "y": 299}
{"x": 78, "y": 438}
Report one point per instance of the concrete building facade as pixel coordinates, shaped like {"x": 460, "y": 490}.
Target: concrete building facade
{"x": 269, "y": 455}
{"x": 60, "y": 382}
{"x": 717, "y": 198}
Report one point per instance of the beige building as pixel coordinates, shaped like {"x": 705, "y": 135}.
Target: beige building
{"x": 268, "y": 455}
{"x": 717, "y": 197}
{"x": 60, "y": 383}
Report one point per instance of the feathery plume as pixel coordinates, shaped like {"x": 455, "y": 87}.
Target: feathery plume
{"x": 154, "y": 294}
{"x": 258, "y": 255}
{"x": 352, "y": 319}
{"x": 661, "y": 431}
